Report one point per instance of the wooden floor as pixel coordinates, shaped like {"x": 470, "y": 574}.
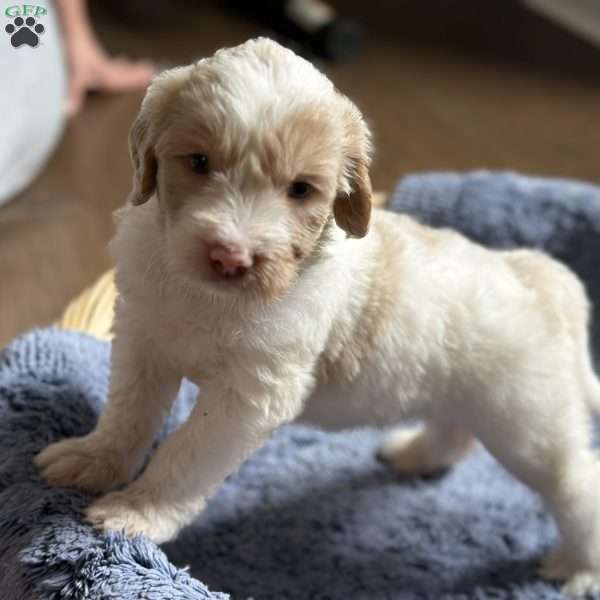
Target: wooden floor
{"x": 450, "y": 86}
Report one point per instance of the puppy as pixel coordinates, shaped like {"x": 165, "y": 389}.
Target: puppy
{"x": 246, "y": 263}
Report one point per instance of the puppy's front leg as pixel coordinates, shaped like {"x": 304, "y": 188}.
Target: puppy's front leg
{"x": 223, "y": 430}
{"x": 142, "y": 388}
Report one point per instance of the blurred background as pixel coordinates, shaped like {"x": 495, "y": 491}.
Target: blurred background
{"x": 445, "y": 85}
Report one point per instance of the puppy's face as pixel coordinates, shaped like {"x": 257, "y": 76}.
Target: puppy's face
{"x": 253, "y": 156}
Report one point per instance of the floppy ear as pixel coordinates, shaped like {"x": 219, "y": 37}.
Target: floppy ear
{"x": 145, "y": 165}
{"x": 352, "y": 209}
{"x": 146, "y": 129}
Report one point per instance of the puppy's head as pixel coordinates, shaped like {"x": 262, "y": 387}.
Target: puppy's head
{"x": 251, "y": 155}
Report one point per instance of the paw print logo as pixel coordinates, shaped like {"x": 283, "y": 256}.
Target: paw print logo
{"x": 24, "y": 31}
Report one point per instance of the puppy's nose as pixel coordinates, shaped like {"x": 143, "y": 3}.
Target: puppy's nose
{"x": 229, "y": 260}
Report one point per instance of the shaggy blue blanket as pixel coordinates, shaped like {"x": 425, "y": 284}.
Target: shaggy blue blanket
{"x": 312, "y": 515}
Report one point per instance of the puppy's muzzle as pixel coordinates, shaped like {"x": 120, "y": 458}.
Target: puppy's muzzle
{"x": 229, "y": 260}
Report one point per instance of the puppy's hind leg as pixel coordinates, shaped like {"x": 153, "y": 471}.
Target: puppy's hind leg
{"x": 543, "y": 438}
{"x": 426, "y": 449}
{"x": 589, "y": 379}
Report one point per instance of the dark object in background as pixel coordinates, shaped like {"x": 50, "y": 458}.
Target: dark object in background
{"x": 309, "y": 27}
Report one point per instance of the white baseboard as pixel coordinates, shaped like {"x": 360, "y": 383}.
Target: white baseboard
{"x": 579, "y": 16}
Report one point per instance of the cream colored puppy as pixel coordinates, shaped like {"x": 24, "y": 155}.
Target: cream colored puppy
{"x": 245, "y": 263}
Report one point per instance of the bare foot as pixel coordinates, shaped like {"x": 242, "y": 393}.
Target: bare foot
{"x": 91, "y": 69}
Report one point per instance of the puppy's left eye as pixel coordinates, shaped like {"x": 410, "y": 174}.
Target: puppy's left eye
{"x": 198, "y": 163}
{"x": 299, "y": 189}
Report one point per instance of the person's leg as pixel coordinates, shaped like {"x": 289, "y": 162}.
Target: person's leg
{"x": 32, "y": 93}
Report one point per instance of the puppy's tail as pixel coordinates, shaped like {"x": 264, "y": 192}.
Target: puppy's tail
{"x": 591, "y": 386}
{"x": 594, "y": 394}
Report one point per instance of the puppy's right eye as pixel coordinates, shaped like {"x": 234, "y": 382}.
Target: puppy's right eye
{"x": 299, "y": 190}
{"x": 198, "y": 163}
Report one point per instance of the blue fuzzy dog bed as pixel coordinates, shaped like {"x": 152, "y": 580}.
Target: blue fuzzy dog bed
{"x": 312, "y": 515}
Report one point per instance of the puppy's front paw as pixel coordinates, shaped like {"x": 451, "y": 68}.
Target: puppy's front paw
{"x": 83, "y": 463}
{"x": 134, "y": 514}
{"x": 556, "y": 566}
